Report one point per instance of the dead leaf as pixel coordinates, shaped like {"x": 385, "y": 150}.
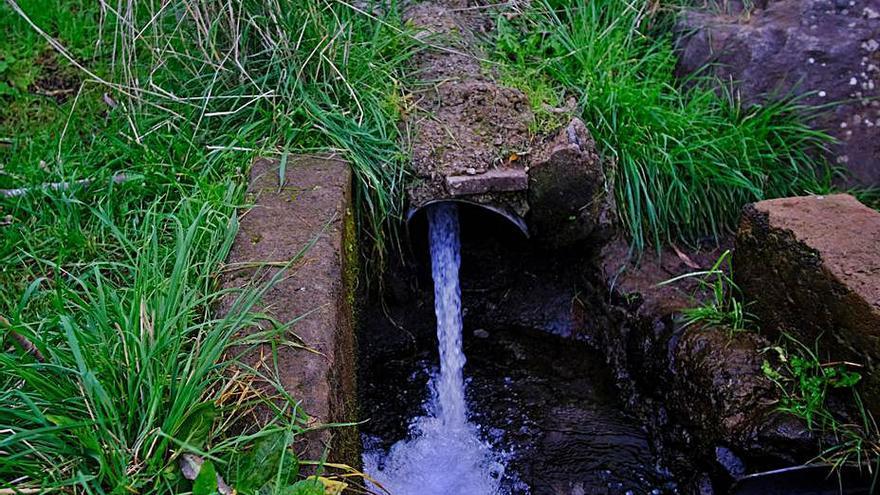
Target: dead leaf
{"x": 684, "y": 258}
{"x": 191, "y": 464}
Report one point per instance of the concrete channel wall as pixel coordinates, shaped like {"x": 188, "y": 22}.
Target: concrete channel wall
{"x": 309, "y": 211}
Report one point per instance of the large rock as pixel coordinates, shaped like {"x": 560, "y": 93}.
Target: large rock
{"x": 811, "y": 268}
{"x": 830, "y": 48}
{"x": 570, "y": 198}
{"x": 308, "y": 214}
{"x": 721, "y": 393}
{"x": 700, "y": 389}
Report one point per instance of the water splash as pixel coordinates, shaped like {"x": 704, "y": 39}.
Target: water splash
{"x": 444, "y": 454}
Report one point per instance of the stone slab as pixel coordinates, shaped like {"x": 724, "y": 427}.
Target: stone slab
{"x": 312, "y": 207}
{"x": 494, "y": 180}
{"x": 811, "y": 268}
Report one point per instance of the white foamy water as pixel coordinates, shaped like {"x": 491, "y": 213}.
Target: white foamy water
{"x": 444, "y": 454}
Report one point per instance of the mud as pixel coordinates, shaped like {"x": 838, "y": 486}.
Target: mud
{"x": 465, "y": 123}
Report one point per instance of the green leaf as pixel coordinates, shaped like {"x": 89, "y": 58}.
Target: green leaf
{"x": 282, "y": 170}
{"x": 261, "y": 464}
{"x": 197, "y": 425}
{"x": 206, "y": 482}
{"x": 304, "y": 487}
{"x": 769, "y": 372}
{"x": 6, "y": 89}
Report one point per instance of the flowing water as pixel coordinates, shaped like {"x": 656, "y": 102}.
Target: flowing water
{"x": 443, "y": 453}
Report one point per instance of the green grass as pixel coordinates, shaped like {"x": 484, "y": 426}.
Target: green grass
{"x": 869, "y": 196}
{"x": 132, "y": 368}
{"x": 687, "y": 154}
{"x": 115, "y": 284}
{"x": 720, "y": 298}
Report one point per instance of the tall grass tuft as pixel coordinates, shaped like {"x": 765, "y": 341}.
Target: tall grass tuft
{"x": 252, "y": 77}
{"x": 291, "y": 76}
{"x": 131, "y": 368}
{"x": 688, "y": 153}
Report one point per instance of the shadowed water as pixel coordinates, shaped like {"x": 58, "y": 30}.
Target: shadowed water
{"x": 443, "y": 453}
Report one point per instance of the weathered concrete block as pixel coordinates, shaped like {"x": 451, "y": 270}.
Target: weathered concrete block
{"x": 811, "y": 267}
{"x": 569, "y": 198}
{"x": 311, "y": 206}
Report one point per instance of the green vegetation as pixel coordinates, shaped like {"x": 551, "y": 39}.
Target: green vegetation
{"x": 868, "y": 196}
{"x": 115, "y": 361}
{"x": 687, "y": 156}
{"x": 721, "y": 299}
{"x": 128, "y": 369}
{"x": 804, "y": 380}
{"x": 807, "y": 383}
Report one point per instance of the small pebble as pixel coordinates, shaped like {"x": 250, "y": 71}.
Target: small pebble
{"x": 481, "y": 334}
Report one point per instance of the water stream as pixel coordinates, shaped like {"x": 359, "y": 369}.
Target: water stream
{"x": 443, "y": 453}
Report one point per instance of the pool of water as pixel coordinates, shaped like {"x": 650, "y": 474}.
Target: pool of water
{"x": 545, "y": 405}
{"x": 532, "y": 411}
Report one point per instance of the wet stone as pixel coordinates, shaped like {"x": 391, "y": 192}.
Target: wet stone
{"x": 570, "y": 197}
